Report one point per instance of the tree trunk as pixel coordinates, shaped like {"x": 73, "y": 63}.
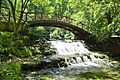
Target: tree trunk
{"x": 0, "y": 9}
{"x": 0, "y": 5}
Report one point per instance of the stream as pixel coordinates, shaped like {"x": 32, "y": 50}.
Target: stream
{"x": 74, "y": 59}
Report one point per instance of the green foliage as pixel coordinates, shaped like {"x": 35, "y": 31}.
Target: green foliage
{"x": 57, "y": 33}
{"x": 51, "y": 7}
{"x": 38, "y": 31}
{"x": 10, "y": 71}
{"x": 17, "y": 8}
{"x": 100, "y": 18}
{"x": 15, "y": 45}
{"x": 39, "y": 37}
{"x": 51, "y": 33}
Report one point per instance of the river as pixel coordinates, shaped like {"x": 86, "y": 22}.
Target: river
{"x": 75, "y": 63}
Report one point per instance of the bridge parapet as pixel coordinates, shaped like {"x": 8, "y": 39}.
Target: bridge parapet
{"x": 33, "y": 19}
{"x": 35, "y": 16}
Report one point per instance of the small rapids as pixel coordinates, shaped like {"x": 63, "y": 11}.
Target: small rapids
{"x": 77, "y": 58}
{"x": 76, "y": 54}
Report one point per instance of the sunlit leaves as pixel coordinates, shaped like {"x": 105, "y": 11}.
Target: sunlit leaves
{"x": 10, "y": 44}
{"x": 100, "y": 17}
{"x": 58, "y": 33}
{"x": 10, "y": 71}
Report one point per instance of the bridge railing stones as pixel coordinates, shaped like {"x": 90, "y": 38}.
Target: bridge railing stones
{"x": 29, "y": 17}
{"x": 36, "y": 16}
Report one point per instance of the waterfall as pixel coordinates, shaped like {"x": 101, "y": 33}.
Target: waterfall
{"x": 75, "y": 53}
{"x": 71, "y": 58}
{"x": 79, "y": 60}
{"x": 68, "y": 48}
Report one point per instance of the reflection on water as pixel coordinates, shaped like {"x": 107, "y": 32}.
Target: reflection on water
{"x": 77, "y": 57}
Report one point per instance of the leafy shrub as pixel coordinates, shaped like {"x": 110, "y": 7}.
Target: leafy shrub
{"x": 15, "y": 45}
{"x": 21, "y": 46}
{"x": 38, "y": 37}
{"x": 10, "y": 71}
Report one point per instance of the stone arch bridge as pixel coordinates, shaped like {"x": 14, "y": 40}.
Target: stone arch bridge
{"x": 33, "y": 19}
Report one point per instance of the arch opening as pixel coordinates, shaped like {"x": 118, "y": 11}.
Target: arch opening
{"x": 78, "y": 32}
{"x": 52, "y": 33}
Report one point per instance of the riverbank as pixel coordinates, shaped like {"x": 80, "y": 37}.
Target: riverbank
{"x": 47, "y": 67}
{"x": 13, "y": 70}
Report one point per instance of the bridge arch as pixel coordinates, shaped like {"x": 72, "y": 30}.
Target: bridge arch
{"x": 78, "y": 32}
{"x": 34, "y": 19}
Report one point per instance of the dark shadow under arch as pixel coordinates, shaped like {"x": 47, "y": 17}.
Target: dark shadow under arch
{"x": 78, "y": 32}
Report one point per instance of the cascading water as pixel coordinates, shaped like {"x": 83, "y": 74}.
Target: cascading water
{"x": 77, "y": 58}
{"x": 69, "y": 47}
{"x": 76, "y": 54}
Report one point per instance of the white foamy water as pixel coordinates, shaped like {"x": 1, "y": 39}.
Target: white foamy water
{"x": 76, "y": 54}
{"x": 77, "y": 58}
{"x": 69, "y": 47}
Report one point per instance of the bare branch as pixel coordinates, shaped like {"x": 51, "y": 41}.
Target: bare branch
{"x": 15, "y": 2}
{"x": 26, "y": 3}
{"x": 12, "y": 10}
